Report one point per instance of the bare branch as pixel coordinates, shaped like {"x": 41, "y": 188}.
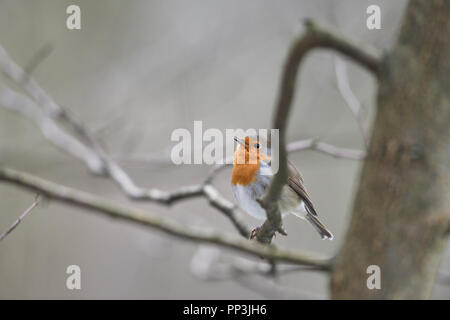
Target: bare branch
{"x": 21, "y": 217}
{"x": 339, "y": 152}
{"x": 307, "y": 144}
{"x": 51, "y": 131}
{"x": 37, "y": 58}
{"x": 313, "y": 144}
{"x": 97, "y": 160}
{"x": 18, "y": 75}
{"x": 90, "y": 151}
{"x": 33, "y": 90}
{"x": 226, "y": 207}
{"x": 349, "y": 97}
{"x": 99, "y": 205}
{"x": 314, "y": 37}
{"x": 206, "y": 264}
{"x": 219, "y": 167}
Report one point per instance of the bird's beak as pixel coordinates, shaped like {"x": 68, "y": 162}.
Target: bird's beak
{"x": 240, "y": 141}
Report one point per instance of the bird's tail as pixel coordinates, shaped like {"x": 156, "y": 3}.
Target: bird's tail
{"x": 321, "y": 229}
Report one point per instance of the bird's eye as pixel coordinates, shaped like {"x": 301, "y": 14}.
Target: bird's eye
{"x": 257, "y": 145}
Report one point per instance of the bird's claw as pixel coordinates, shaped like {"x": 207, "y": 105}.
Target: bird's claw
{"x": 254, "y": 233}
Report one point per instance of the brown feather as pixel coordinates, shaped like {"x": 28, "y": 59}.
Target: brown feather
{"x": 295, "y": 182}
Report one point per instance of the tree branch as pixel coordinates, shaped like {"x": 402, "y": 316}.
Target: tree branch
{"x": 349, "y": 97}
{"x": 14, "y": 101}
{"x": 89, "y": 150}
{"x": 21, "y": 217}
{"x": 314, "y": 37}
{"x": 226, "y": 207}
{"x": 326, "y": 148}
{"x": 14, "y": 72}
{"x": 97, "y": 204}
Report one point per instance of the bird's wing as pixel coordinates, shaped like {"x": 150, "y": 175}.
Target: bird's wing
{"x": 295, "y": 182}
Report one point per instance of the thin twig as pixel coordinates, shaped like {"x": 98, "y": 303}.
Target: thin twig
{"x": 217, "y": 168}
{"x": 21, "y": 217}
{"x": 34, "y": 91}
{"x": 329, "y": 149}
{"x": 349, "y": 97}
{"x": 37, "y": 59}
{"x": 14, "y": 101}
{"x": 99, "y": 205}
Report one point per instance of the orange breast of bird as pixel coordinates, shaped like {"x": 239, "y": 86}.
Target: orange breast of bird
{"x": 244, "y": 173}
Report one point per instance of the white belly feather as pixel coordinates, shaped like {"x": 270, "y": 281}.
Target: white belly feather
{"x": 246, "y": 197}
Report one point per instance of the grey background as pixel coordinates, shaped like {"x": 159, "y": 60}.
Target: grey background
{"x": 136, "y": 71}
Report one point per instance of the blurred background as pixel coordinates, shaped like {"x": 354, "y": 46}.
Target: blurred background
{"x": 136, "y": 71}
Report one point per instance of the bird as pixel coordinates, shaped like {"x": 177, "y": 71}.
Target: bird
{"x": 250, "y": 179}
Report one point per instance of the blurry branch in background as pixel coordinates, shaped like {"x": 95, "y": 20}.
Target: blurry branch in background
{"x": 207, "y": 264}
{"x": 35, "y": 92}
{"x": 45, "y": 112}
{"x": 97, "y": 204}
{"x": 326, "y": 148}
{"x": 36, "y": 60}
{"x": 17, "y": 102}
{"x": 349, "y": 97}
{"x": 243, "y": 265}
{"x": 306, "y": 144}
{"x": 21, "y": 217}
{"x": 314, "y": 37}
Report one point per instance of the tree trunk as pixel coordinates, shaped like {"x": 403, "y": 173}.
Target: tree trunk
{"x": 401, "y": 212}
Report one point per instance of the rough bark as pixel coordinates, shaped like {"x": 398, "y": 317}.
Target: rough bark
{"x": 402, "y": 208}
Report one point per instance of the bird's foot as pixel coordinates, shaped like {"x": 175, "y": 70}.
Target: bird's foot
{"x": 254, "y": 233}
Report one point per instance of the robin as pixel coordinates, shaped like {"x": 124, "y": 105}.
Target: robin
{"x": 251, "y": 177}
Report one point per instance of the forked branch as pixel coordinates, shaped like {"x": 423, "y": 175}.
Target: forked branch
{"x": 314, "y": 37}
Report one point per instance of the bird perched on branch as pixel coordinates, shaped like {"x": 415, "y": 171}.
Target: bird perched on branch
{"x": 251, "y": 178}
